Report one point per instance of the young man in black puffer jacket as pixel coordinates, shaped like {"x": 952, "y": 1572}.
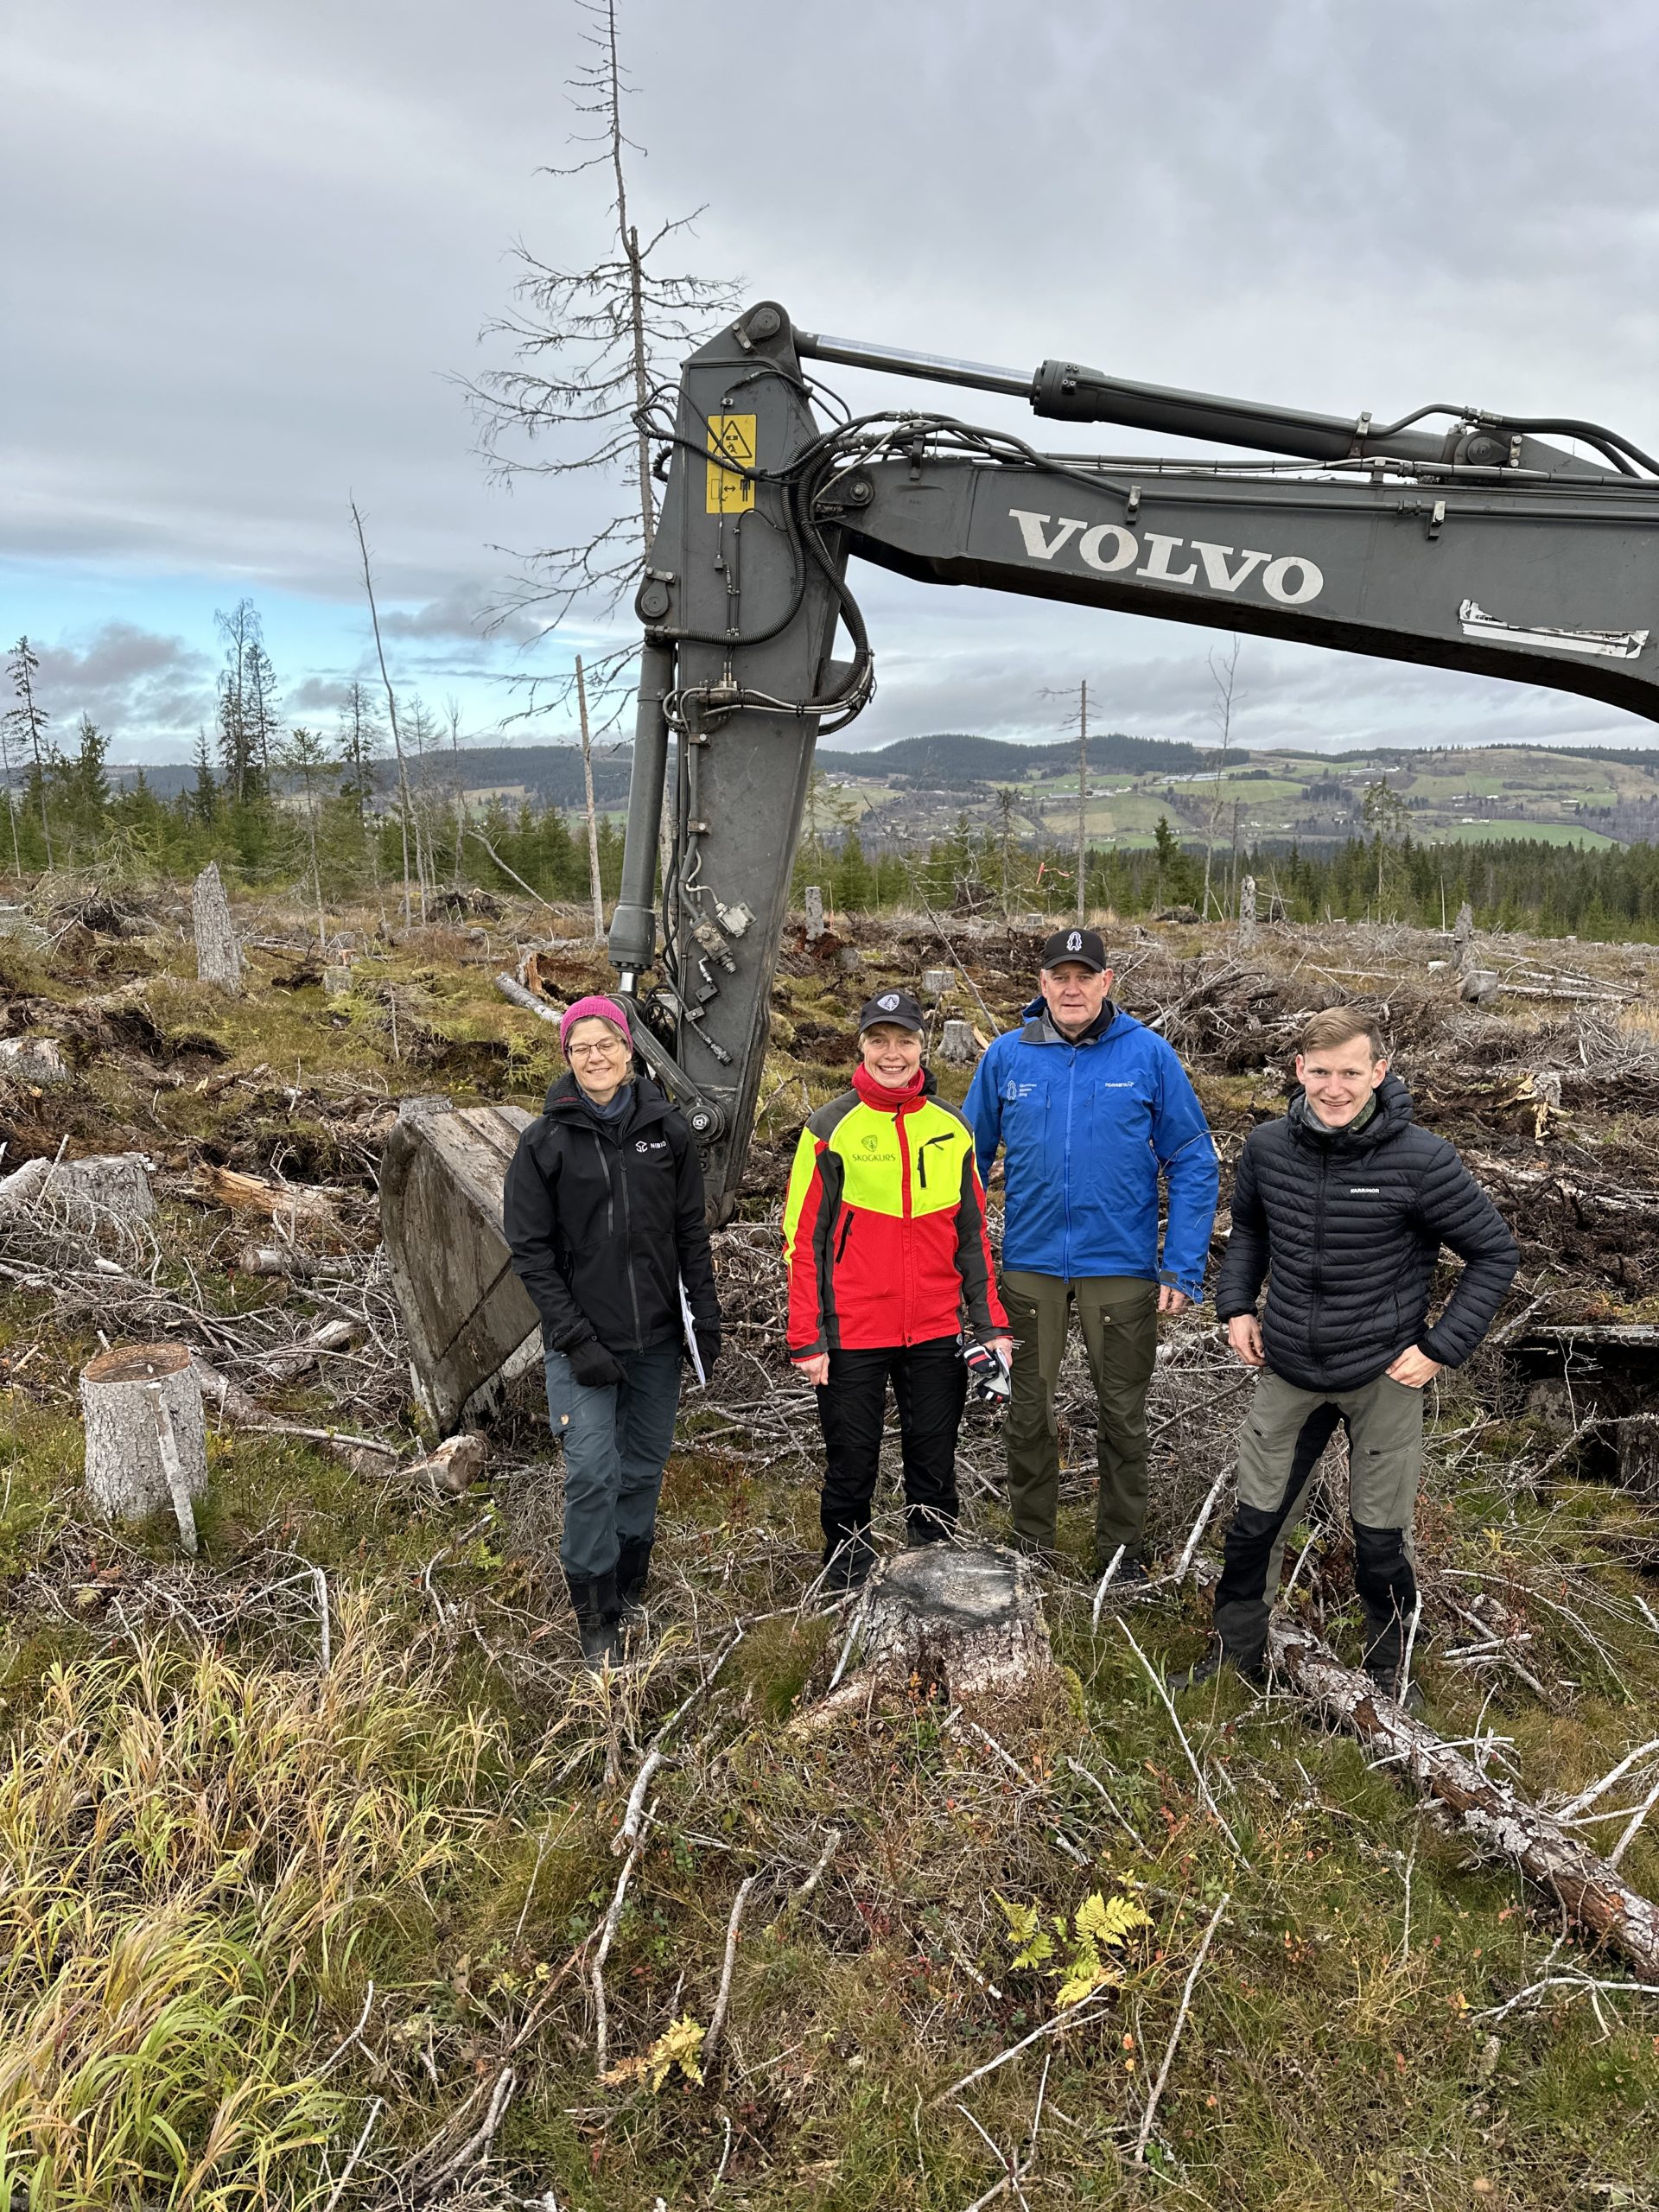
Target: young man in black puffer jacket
{"x": 1343, "y": 1206}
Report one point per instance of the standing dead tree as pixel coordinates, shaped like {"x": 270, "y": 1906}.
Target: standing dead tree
{"x": 391, "y": 716}
{"x": 588, "y": 347}
{"x": 27, "y": 720}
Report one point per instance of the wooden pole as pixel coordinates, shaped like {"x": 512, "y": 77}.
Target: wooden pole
{"x": 592, "y": 819}
{"x": 1083, "y": 791}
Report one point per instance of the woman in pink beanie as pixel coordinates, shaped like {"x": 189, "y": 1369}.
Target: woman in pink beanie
{"x": 604, "y": 1214}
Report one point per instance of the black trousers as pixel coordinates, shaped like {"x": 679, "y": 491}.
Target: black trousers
{"x": 930, "y": 1383}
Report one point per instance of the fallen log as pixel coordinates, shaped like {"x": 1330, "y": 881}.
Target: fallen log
{"x": 1502, "y": 1825}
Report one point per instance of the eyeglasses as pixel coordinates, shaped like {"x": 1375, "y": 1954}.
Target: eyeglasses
{"x": 603, "y": 1047}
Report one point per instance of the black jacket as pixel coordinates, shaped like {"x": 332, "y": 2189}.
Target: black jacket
{"x": 602, "y": 1215}
{"x": 1346, "y": 1226}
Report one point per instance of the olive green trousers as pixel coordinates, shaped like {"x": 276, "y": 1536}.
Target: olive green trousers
{"x": 1118, "y": 1315}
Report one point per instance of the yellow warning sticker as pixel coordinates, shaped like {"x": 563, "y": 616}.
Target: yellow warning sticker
{"x": 733, "y": 435}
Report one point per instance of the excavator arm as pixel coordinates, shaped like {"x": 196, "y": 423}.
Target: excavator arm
{"x": 1484, "y": 544}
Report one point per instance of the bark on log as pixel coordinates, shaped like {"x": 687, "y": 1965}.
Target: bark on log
{"x": 960, "y": 1622}
{"x": 1503, "y": 1825}
{"x": 219, "y": 958}
{"x": 814, "y": 913}
{"x": 146, "y": 1444}
{"x": 442, "y": 1177}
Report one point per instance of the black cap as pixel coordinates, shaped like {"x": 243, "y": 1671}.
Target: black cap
{"x": 897, "y": 1006}
{"x": 1086, "y": 947}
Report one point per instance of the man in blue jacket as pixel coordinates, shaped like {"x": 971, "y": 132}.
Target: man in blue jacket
{"x": 1090, "y": 1108}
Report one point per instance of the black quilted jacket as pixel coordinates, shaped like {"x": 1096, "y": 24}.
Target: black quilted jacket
{"x": 1346, "y": 1225}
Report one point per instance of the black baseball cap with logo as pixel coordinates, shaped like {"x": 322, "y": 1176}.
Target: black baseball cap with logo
{"x": 1086, "y": 947}
{"x": 896, "y": 1006}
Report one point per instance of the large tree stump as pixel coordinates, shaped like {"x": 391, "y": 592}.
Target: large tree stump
{"x": 956, "y": 1046}
{"x": 146, "y": 1444}
{"x": 219, "y": 958}
{"x": 953, "y": 1621}
{"x": 1247, "y": 914}
{"x": 814, "y": 913}
{"x": 468, "y": 1314}
{"x": 107, "y": 1190}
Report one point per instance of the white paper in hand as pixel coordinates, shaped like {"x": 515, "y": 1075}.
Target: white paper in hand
{"x": 691, "y": 1328}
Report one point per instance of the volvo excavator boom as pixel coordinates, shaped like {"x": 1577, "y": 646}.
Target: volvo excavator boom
{"x": 1455, "y": 536}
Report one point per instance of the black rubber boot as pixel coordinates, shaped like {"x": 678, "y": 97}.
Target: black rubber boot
{"x": 847, "y": 1563}
{"x": 633, "y": 1572}
{"x": 593, "y": 1602}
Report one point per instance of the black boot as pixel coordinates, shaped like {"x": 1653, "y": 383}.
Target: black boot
{"x": 1206, "y": 1669}
{"x": 1410, "y": 1700}
{"x": 593, "y": 1601}
{"x": 848, "y": 1561}
{"x": 633, "y": 1571}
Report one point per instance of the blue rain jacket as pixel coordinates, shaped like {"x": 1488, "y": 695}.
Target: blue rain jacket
{"x": 1086, "y": 1131}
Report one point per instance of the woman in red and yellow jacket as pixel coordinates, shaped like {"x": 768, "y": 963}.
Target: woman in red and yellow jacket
{"x": 889, "y": 1267}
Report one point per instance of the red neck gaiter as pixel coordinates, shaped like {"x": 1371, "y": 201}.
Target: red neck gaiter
{"x": 884, "y": 1101}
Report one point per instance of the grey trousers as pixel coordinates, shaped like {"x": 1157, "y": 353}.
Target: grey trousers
{"x": 1284, "y": 1433}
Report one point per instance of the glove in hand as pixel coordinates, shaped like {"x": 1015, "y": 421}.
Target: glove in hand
{"x": 592, "y": 1365}
{"x": 708, "y": 1336}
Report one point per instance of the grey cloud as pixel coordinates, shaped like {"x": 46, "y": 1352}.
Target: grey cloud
{"x": 127, "y": 679}
{"x": 1331, "y": 206}
{"x": 317, "y": 693}
{"x": 468, "y": 609}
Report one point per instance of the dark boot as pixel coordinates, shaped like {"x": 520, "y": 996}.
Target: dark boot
{"x": 1206, "y": 1669}
{"x": 633, "y": 1571}
{"x": 848, "y": 1562}
{"x": 593, "y": 1602}
{"x": 925, "y": 1524}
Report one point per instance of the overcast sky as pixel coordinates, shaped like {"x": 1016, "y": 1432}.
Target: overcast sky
{"x": 251, "y": 251}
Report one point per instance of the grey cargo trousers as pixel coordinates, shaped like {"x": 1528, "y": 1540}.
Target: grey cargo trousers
{"x": 1283, "y": 1435}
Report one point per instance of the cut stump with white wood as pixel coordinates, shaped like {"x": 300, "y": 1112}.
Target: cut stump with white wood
{"x": 219, "y": 958}
{"x": 959, "y": 1623}
{"x": 146, "y": 1442}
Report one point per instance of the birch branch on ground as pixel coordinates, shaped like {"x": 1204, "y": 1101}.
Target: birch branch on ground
{"x": 1501, "y": 1824}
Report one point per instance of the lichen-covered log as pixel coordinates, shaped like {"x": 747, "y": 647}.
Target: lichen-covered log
{"x": 1501, "y": 1824}
{"x": 441, "y": 1178}
{"x": 958, "y": 1621}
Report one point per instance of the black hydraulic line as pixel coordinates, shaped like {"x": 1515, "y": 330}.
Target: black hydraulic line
{"x": 1067, "y": 391}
